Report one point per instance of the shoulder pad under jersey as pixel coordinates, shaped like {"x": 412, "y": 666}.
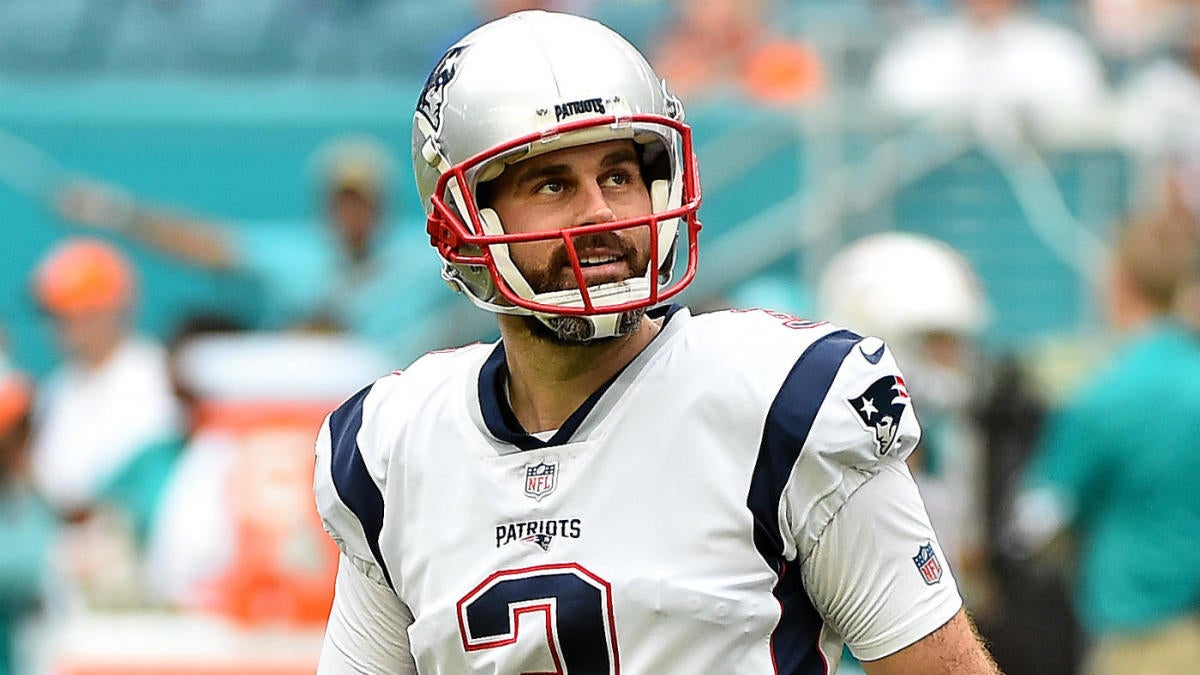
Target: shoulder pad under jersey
{"x": 355, "y": 448}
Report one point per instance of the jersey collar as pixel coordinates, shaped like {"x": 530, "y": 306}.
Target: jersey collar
{"x": 498, "y": 414}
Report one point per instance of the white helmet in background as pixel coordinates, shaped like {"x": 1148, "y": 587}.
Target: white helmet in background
{"x": 525, "y": 85}
{"x": 923, "y": 297}
{"x": 900, "y": 286}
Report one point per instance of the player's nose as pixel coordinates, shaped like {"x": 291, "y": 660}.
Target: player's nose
{"x": 594, "y": 206}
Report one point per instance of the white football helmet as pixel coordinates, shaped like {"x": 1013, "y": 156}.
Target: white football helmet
{"x": 532, "y": 83}
{"x": 924, "y": 298}
{"x": 899, "y": 286}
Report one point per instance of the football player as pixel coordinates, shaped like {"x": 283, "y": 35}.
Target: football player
{"x": 616, "y": 485}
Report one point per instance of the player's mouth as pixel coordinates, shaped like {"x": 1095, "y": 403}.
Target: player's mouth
{"x": 603, "y": 258}
{"x": 601, "y": 267}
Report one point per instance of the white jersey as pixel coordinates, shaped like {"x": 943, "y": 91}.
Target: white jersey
{"x": 90, "y": 422}
{"x": 734, "y": 501}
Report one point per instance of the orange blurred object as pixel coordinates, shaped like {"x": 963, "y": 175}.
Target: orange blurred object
{"x": 284, "y": 563}
{"x": 783, "y": 72}
{"x": 84, "y": 275}
{"x": 14, "y": 400}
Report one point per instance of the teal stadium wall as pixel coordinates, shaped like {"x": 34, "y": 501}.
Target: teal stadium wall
{"x": 236, "y": 152}
{"x": 241, "y": 152}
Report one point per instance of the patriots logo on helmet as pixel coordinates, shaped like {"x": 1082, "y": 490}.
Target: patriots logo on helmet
{"x": 880, "y": 407}
{"x": 433, "y": 95}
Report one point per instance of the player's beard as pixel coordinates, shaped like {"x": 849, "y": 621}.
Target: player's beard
{"x": 577, "y": 330}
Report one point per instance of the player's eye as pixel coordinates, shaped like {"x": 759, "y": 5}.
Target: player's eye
{"x": 619, "y": 178}
{"x": 549, "y": 187}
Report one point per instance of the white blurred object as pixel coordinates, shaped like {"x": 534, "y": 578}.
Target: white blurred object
{"x": 1156, "y": 116}
{"x": 236, "y": 523}
{"x": 1158, "y": 109}
{"x": 1038, "y": 515}
{"x": 1129, "y": 28}
{"x": 1020, "y": 73}
{"x": 897, "y": 285}
{"x": 192, "y": 539}
{"x": 90, "y": 422}
{"x": 924, "y": 299}
{"x": 140, "y": 644}
{"x": 279, "y": 367}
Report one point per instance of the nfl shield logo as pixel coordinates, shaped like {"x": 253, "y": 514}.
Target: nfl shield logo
{"x": 541, "y": 479}
{"x": 927, "y": 563}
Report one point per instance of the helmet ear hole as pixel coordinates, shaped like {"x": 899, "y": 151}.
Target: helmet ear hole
{"x": 485, "y": 194}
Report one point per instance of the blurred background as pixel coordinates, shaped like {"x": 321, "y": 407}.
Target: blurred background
{"x": 210, "y": 236}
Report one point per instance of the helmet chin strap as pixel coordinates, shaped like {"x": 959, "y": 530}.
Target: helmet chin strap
{"x": 581, "y": 329}
{"x": 596, "y": 326}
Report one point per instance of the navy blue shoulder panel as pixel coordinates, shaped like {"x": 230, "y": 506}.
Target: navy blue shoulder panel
{"x": 497, "y": 413}
{"x": 788, "y": 424}
{"x": 795, "y": 640}
{"x": 350, "y": 478}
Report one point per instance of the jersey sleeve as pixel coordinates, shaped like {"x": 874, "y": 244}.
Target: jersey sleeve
{"x": 348, "y": 483}
{"x": 876, "y": 573}
{"x": 846, "y": 405}
{"x": 849, "y": 512}
{"x": 368, "y": 628}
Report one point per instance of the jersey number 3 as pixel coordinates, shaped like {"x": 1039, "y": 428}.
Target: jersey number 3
{"x": 577, "y": 611}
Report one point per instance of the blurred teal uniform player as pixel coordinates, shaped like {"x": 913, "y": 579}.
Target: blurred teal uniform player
{"x": 27, "y": 529}
{"x": 1116, "y": 464}
{"x": 1121, "y": 456}
{"x": 384, "y": 299}
{"x": 27, "y": 526}
{"x": 353, "y": 271}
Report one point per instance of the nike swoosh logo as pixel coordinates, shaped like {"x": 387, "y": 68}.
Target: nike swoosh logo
{"x": 873, "y": 357}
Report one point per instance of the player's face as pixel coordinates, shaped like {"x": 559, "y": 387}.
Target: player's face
{"x": 90, "y": 335}
{"x": 985, "y": 11}
{"x": 595, "y": 183}
{"x": 354, "y": 214}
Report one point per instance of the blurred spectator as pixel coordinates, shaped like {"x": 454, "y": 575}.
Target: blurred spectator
{"x": 26, "y": 525}
{"x": 1157, "y": 110}
{"x": 997, "y": 66}
{"x": 925, "y": 300}
{"x": 233, "y": 529}
{"x": 1130, "y": 29}
{"x": 136, "y": 490}
{"x": 104, "y": 555}
{"x": 112, "y": 394}
{"x": 494, "y": 9}
{"x": 354, "y": 272}
{"x": 169, "y": 529}
{"x": 728, "y": 48}
{"x": 1113, "y": 466}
